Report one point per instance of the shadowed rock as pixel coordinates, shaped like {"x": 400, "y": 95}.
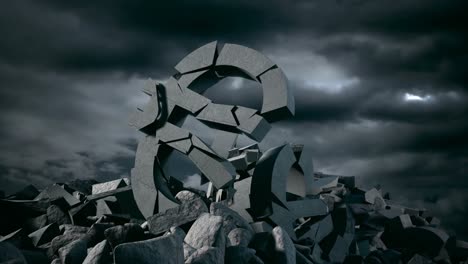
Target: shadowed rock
{"x": 166, "y": 249}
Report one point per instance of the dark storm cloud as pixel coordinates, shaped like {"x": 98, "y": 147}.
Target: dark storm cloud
{"x": 380, "y": 87}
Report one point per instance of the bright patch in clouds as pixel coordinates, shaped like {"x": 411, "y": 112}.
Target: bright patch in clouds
{"x": 414, "y": 97}
{"x": 314, "y": 71}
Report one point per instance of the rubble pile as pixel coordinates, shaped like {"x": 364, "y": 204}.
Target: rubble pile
{"x": 261, "y": 205}
{"x": 102, "y": 224}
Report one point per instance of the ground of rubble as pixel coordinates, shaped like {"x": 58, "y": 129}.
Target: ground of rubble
{"x": 88, "y": 222}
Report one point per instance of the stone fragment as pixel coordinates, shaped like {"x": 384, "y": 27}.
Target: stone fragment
{"x": 27, "y": 193}
{"x": 44, "y": 235}
{"x": 339, "y": 250}
{"x": 198, "y": 59}
{"x": 182, "y": 214}
{"x": 371, "y": 195}
{"x": 63, "y": 240}
{"x": 108, "y": 186}
{"x": 95, "y": 233}
{"x": 99, "y": 254}
{"x": 55, "y": 192}
{"x": 278, "y": 102}
{"x": 207, "y": 230}
{"x": 206, "y": 255}
{"x": 261, "y": 226}
{"x": 55, "y": 214}
{"x": 165, "y": 249}
{"x": 177, "y": 231}
{"x": 79, "y": 214}
{"x": 239, "y": 237}
{"x": 220, "y": 173}
{"x": 323, "y": 183}
{"x": 425, "y": 240}
{"x": 418, "y": 259}
{"x": 17, "y": 238}
{"x": 186, "y": 196}
{"x": 68, "y": 229}
{"x": 35, "y": 223}
{"x": 241, "y": 198}
{"x": 129, "y": 232}
{"x": 248, "y": 60}
{"x": 285, "y": 252}
{"x": 240, "y": 162}
{"x": 239, "y": 254}
{"x": 74, "y": 252}
{"x": 301, "y": 259}
{"x": 231, "y": 219}
{"x": 188, "y": 250}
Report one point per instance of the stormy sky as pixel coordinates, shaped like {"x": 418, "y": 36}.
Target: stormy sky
{"x": 381, "y": 88}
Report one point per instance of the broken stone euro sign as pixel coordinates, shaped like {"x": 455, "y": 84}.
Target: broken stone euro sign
{"x": 255, "y": 183}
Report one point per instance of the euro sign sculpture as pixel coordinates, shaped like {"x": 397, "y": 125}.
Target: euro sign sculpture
{"x": 257, "y": 182}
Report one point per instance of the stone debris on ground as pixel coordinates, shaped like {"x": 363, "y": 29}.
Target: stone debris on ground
{"x": 364, "y": 226}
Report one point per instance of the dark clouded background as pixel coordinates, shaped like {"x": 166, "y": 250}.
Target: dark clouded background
{"x": 381, "y": 88}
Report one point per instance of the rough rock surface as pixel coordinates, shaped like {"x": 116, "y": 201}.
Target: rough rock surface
{"x": 74, "y": 252}
{"x": 124, "y": 233}
{"x": 166, "y": 249}
{"x": 44, "y": 235}
{"x": 207, "y": 231}
{"x": 387, "y": 232}
{"x": 55, "y": 214}
{"x": 239, "y": 237}
{"x": 284, "y": 247}
{"x": 63, "y": 240}
{"x": 239, "y": 254}
{"x": 99, "y": 254}
{"x": 186, "y": 196}
{"x": 182, "y": 214}
{"x": 206, "y": 255}
{"x": 231, "y": 218}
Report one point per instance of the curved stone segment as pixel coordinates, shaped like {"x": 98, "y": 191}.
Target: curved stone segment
{"x": 198, "y": 59}
{"x": 268, "y": 190}
{"x": 250, "y": 61}
{"x": 147, "y": 183}
{"x": 278, "y": 100}
{"x": 269, "y": 179}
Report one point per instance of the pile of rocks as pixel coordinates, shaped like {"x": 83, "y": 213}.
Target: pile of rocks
{"x": 89, "y": 222}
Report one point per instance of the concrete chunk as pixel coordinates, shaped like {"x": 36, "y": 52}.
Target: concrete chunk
{"x": 44, "y": 235}
{"x": 198, "y": 59}
{"x": 186, "y": 212}
{"x": 248, "y": 60}
{"x": 278, "y": 100}
{"x": 166, "y": 249}
{"x": 207, "y": 231}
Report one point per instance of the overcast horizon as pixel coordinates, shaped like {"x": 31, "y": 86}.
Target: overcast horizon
{"x": 380, "y": 88}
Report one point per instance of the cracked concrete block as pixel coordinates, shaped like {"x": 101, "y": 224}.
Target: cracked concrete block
{"x": 223, "y": 142}
{"x": 187, "y": 79}
{"x": 248, "y": 60}
{"x": 218, "y": 113}
{"x": 198, "y": 59}
{"x": 218, "y": 172}
{"x": 278, "y": 100}
{"x": 240, "y": 162}
{"x": 255, "y": 127}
